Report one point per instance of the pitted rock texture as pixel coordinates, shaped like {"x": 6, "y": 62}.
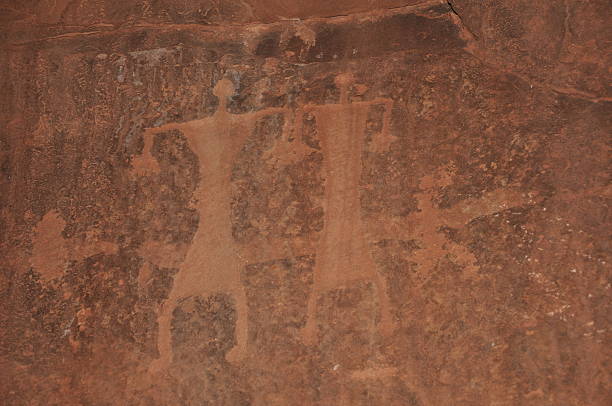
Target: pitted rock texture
{"x": 265, "y": 202}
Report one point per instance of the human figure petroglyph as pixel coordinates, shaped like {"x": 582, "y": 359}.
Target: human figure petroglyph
{"x": 214, "y": 260}
{"x": 343, "y": 251}
{"x": 425, "y": 225}
{"x": 428, "y": 222}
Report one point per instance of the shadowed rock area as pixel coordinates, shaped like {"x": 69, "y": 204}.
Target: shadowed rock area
{"x": 270, "y": 203}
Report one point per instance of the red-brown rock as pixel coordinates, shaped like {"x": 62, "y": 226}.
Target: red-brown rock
{"x": 267, "y": 202}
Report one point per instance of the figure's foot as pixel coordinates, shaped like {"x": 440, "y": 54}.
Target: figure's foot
{"x": 158, "y": 365}
{"x": 309, "y": 333}
{"x": 236, "y": 354}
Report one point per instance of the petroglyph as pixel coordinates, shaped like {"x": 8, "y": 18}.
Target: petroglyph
{"x": 211, "y": 264}
{"x": 290, "y": 148}
{"x": 343, "y": 251}
{"x": 214, "y": 260}
{"x": 426, "y": 225}
{"x": 374, "y": 373}
{"x": 428, "y": 221}
{"x": 52, "y": 253}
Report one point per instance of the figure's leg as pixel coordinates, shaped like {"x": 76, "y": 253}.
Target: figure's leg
{"x": 164, "y": 338}
{"x": 387, "y": 324}
{"x": 239, "y": 351}
{"x": 310, "y": 330}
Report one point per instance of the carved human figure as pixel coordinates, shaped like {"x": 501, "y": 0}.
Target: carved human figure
{"x": 213, "y": 262}
{"x": 343, "y": 252}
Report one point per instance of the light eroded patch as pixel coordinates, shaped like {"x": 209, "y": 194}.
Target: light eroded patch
{"x": 49, "y": 248}
{"x": 51, "y": 252}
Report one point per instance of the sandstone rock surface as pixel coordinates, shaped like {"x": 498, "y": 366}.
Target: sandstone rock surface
{"x": 265, "y": 202}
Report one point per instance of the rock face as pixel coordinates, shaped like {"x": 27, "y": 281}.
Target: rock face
{"x": 267, "y": 202}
